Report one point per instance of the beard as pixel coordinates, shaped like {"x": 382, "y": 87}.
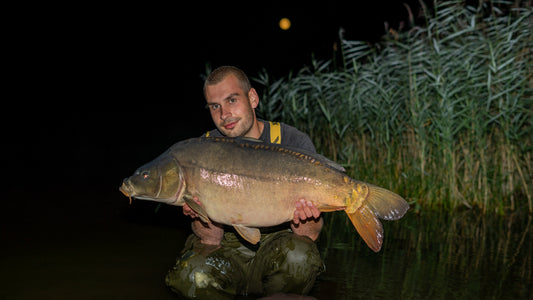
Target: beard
{"x": 241, "y": 128}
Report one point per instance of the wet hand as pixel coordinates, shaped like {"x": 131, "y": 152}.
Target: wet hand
{"x": 305, "y": 210}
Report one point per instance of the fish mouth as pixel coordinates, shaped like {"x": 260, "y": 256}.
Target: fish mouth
{"x": 126, "y": 190}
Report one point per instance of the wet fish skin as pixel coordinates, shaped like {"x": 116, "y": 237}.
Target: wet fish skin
{"x": 159, "y": 180}
{"x": 249, "y": 184}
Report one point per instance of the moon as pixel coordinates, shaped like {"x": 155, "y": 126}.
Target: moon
{"x": 284, "y": 24}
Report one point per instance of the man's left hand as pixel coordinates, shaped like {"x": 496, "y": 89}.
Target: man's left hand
{"x": 305, "y": 210}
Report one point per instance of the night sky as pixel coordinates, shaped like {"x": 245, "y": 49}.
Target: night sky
{"x": 105, "y": 88}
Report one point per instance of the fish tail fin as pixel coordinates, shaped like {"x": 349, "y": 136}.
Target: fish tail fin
{"x": 368, "y": 226}
{"x": 385, "y": 204}
{"x": 369, "y": 204}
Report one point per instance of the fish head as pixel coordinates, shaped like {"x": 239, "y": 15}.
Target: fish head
{"x": 160, "y": 180}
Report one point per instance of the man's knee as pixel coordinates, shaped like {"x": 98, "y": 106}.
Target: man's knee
{"x": 189, "y": 275}
{"x": 302, "y": 251}
{"x": 203, "y": 276}
{"x": 291, "y": 263}
{"x": 294, "y": 250}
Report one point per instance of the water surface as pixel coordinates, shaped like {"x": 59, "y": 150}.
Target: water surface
{"x": 72, "y": 245}
{"x": 435, "y": 256}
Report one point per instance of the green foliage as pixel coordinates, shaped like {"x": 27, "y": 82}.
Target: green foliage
{"x": 442, "y": 114}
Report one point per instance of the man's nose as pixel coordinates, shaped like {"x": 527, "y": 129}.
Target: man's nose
{"x": 224, "y": 113}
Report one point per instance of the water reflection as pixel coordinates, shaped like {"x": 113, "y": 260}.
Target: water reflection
{"x": 431, "y": 256}
{"x": 104, "y": 248}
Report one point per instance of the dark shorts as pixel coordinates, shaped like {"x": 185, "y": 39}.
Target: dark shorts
{"x": 283, "y": 262}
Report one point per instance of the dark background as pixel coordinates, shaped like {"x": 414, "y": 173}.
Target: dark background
{"x": 100, "y": 89}
{"x": 95, "y": 90}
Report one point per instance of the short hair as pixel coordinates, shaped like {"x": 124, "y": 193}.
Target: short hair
{"x": 222, "y": 72}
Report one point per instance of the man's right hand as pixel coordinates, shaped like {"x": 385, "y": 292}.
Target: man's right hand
{"x": 209, "y": 234}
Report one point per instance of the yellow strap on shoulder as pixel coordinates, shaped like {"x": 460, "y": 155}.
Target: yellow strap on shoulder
{"x": 275, "y": 132}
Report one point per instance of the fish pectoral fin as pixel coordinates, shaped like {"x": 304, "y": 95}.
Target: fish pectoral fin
{"x": 252, "y": 235}
{"x": 202, "y": 214}
{"x": 368, "y": 226}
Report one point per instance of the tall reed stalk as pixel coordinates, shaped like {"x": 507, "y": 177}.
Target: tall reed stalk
{"x": 441, "y": 114}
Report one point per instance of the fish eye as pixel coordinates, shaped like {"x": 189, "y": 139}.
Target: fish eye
{"x": 145, "y": 175}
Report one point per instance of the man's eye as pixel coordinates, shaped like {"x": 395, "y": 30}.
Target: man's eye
{"x": 232, "y": 100}
{"x": 214, "y": 106}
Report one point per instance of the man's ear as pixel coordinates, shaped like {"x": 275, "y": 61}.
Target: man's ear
{"x": 254, "y": 98}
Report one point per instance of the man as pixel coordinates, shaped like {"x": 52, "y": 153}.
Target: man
{"x": 216, "y": 263}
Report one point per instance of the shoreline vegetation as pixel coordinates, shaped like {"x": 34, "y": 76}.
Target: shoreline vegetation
{"x": 440, "y": 113}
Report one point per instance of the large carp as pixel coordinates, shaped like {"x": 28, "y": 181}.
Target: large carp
{"x": 248, "y": 184}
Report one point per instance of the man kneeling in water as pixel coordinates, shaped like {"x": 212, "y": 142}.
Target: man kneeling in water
{"x": 215, "y": 262}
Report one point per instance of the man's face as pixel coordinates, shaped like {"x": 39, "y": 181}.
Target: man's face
{"x": 231, "y": 108}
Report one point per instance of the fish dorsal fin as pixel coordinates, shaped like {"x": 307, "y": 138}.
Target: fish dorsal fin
{"x": 252, "y": 235}
{"x": 330, "y": 163}
{"x": 251, "y": 139}
{"x": 298, "y": 152}
{"x": 314, "y": 156}
{"x": 202, "y": 214}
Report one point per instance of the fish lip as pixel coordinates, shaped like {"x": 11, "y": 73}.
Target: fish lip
{"x": 125, "y": 189}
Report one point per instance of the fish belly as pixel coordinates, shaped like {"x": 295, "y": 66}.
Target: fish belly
{"x": 257, "y": 202}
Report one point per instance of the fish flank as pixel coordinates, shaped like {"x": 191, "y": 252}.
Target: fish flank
{"x": 232, "y": 177}
{"x": 268, "y": 147}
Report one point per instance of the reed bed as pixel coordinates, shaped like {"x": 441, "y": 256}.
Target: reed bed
{"x": 441, "y": 113}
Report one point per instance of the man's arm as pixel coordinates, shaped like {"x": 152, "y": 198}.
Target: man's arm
{"x": 209, "y": 234}
{"x": 307, "y": 220}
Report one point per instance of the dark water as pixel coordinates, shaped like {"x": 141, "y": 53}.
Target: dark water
{"x": 435, "y": 256}
{"x": 74, "y": 244}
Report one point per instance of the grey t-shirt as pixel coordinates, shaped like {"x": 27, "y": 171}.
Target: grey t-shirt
{"x": 290, "y": 136}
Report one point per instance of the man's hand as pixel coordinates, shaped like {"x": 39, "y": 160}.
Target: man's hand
{"x": 305, "y": 210}
{"x": 306, "y": 220}
{"x": 209, "y": 234}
